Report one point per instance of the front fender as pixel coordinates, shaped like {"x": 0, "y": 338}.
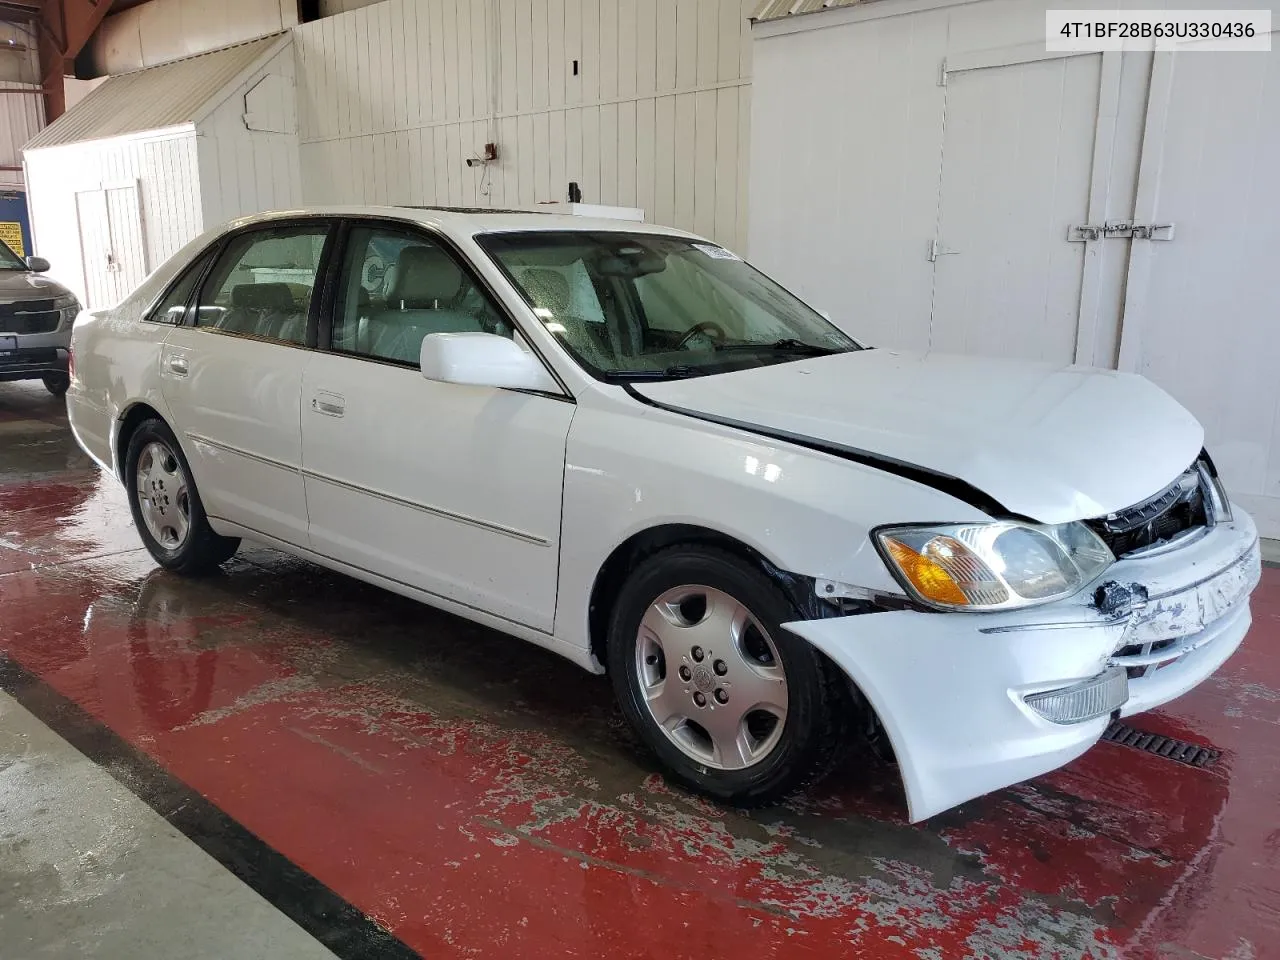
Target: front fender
{"x": 631, "y": 468}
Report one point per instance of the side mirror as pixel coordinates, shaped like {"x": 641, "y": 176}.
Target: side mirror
{"x": 37, "y": 264}
{"x": 483, "y": 360}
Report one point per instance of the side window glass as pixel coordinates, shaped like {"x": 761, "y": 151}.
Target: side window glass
{"x": 262, "y": 284}
{"x": 173, "y": 308}
{"x": 399, "y": 287}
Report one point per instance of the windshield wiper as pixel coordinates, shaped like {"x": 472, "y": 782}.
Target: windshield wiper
{"x": 678, "y": 372}
{"x": 786, "y": 345}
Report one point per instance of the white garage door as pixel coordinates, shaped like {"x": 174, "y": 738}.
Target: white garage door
{"x": 1017, "y": 163}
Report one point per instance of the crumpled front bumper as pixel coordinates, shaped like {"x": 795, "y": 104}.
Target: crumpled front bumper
{"x": 950, "y": 688}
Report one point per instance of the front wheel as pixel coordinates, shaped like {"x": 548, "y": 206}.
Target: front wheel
{"x": 166, "y": 505}
{"x": 56, "y": 383}
{"x": 733, "y": 704}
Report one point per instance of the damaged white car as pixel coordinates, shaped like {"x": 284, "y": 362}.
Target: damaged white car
{"x": 625, "y": 444}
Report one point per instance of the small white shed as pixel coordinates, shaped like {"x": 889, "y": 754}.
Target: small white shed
{"x": 932, "y": 175}
{"x": 149, "y": 159}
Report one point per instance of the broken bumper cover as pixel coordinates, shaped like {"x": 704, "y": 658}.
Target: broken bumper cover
{"x": 952, "y": 689}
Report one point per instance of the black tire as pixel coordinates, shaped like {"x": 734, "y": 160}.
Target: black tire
{"x": 57, "y": 383}
{"x": 202, "y": 551}
{"x": 820, "y": 715}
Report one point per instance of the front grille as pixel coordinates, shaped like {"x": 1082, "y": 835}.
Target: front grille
{"x": 1178, "y": 508}
{"x": 29, "y": 316}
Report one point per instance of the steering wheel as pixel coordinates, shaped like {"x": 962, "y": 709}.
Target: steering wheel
{"x": 705, "y": 326}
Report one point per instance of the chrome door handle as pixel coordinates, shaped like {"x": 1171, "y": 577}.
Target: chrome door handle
{"x": 178, "y": 366}
{"x": 329, "y": 404}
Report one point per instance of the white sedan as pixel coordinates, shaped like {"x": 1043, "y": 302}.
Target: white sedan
{"x": 623, "y": 443}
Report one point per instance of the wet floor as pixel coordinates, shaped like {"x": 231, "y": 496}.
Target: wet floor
{"x": 455, "y": 792}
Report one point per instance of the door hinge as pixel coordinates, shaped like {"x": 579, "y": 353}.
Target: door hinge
{"x": 937, "y": 250}
{"x": 1119, "y": 230}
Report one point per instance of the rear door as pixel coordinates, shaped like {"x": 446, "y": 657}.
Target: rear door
{"x": 232, "y": 376}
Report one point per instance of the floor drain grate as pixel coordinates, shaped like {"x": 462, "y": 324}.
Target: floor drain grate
{"x": 1191, "y": 754}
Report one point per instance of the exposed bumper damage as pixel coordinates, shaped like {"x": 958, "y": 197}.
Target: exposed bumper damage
{"x": 952, "y": 689}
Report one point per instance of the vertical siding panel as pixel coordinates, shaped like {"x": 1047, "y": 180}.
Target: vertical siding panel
{"x": 541, "y": 158}
{"x": 704, "y": 187}
{"x": 664, "y": 161}
{"x": 439, "y": 81}
{"x": 452, "y": 160}
{"x": 608, "y": 49}
{"x": 557, "y": 63}
{"x": 439, "y": 154}
{"x": 730, "y": 39}
{"x": 687, "y": 43}
{"x": 526, "y": 160}
{"x": 414, "y": 159}
{"x": 510, "y": 84}
{"x": 481, "y": 83}
{"x": 452, "y": 78}
{"x": 462, "y": 43}
{"x": 572, "y": 50}
{"x": 627, "y": 154}
{"x": 726, "y": 159}
{"x": 343, "y": 81}
{"x": 626, "y": 50}
{"x": 384, "y": 90}
{"x": 399, "y": 85}
{"x": 685, "y": 168}
{"x": 573, "y": 146}
{"x": 411, "y": 66}
{"x": 708, "y": 41}
{"x": 665, "y": 45}
{"x": 591, "y": 51}
{"x": 524, "y": 53}
{"x": 745, "y": 42}
{"x": 539, "y": 42}
{"x": 509, "y": 166}
{"x": 558, "y": 164}
{"x": 646, "y": 47}
{"x": 358, "y": 66}
{"x": 426, "y": 78}
{"x": 609, "y": 153}
{"x": 645, "y": 146}
{"x": 591, "y": 191}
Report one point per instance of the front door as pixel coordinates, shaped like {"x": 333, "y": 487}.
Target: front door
{"x": 450, "y": 489}
{"x": 233, "y": 377}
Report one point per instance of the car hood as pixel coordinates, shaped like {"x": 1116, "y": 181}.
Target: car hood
{"x": 17, "y": 285}
{"x": 1047, "y": 442}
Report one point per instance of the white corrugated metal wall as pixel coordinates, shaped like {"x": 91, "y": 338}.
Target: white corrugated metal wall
{"x": 934, "y": 215}
{"x": 21, "y": 118}
{"x": 395, "y": 96}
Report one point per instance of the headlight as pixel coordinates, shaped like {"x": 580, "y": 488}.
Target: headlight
{"x": 68, "y": 306}
{"x": 991, "y": 566}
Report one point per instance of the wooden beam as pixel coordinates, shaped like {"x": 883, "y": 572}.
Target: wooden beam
{"x": 65, "y": 27}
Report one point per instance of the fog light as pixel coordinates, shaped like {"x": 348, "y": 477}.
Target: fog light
{"x": 1086, "y": 700}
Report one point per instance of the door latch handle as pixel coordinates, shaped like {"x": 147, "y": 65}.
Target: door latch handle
{"x": 329, "y": 406}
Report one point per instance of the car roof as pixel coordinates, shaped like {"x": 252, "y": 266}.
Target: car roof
{"x": 465, "y": 221}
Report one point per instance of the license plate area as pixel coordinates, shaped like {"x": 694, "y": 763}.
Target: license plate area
{"x": 8, "y": 346}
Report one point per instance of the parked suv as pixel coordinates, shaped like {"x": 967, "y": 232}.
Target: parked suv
{"x": 36, "y": 314}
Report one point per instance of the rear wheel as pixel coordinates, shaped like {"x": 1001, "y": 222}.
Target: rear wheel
{"x": 166, "y": 505}
{"x": 731, "y": 702}
{"x": 56, "y": 383}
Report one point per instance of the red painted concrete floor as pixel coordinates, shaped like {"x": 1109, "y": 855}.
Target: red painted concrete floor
{"x": 475, "y": 796}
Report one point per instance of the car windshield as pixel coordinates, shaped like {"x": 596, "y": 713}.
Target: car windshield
{"x": 636, "y": 306}
{"x": 10, "y": 260}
